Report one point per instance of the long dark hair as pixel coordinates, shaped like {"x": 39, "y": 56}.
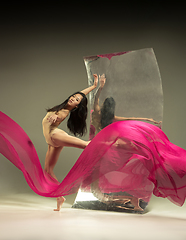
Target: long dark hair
{"x": 77, "y": 120}
{"x": 107, "y": 112}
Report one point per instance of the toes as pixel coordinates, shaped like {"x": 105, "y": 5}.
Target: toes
{"x": 56, "y": 210}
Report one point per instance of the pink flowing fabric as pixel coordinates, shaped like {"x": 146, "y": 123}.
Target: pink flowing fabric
{"x": 131, "y": 156}
{"x": 110, "y": 55}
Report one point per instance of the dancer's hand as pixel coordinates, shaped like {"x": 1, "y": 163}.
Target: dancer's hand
{"x": 89, "y": 89}
{"x": 95, "y": 80}
{"x": 102, "y": 80}
{"x": 53, "y": 118}
{"x": 159, "y": 124}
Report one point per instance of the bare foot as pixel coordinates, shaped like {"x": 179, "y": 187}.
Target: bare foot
{"x": 60, "y": 201}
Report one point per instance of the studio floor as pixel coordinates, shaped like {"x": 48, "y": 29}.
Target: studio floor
{"x": 25, "y": 216}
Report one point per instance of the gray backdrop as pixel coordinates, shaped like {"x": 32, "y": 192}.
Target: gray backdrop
{"x": 41, "y": 63}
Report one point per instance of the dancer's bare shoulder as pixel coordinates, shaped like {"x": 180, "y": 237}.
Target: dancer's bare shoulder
{"x": 62, "y": 114}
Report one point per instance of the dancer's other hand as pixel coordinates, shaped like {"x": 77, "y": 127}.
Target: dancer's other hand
{"x": 95, "y": 80}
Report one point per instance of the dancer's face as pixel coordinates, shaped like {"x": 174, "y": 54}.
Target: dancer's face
{"x": 75, "y": 100}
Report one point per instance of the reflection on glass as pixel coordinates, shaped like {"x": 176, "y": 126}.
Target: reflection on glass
{"x": 129, "y": 89}
{"x": 102, "y": 116}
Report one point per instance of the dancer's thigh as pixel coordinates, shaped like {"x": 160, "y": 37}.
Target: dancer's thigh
{"x": 61, "y": 138}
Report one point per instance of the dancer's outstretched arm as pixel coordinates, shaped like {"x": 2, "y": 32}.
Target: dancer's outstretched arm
{"x": 89, "y": 89}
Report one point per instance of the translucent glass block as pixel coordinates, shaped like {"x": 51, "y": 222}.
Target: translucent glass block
{"x": 133, "y": 83}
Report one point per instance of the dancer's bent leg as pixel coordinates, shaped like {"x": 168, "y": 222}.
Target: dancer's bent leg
{"x": 62, "y": 139}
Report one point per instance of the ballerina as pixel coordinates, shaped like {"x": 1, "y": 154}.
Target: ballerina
{"x": 76, "y": 106}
